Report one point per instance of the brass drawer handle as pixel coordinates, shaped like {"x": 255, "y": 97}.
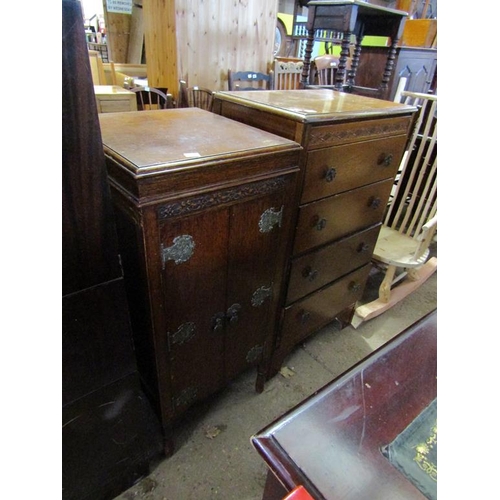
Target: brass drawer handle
{"x": 330, "y": 174}
{"x": 218, "y": 322}
{"x": 374, "y": 202}
{"x": 386, "y": 160}
{"x": 321, "y": 224}
{"x": 304, "y": 316}
{"x": 232, "y": 313}
{"x": 363, "y": 247}
{"x": 354, "y": 287}
{"x": 310, "y": 273}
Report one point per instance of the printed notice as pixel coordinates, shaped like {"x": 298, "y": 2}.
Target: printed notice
{"x": 119, "y": 6}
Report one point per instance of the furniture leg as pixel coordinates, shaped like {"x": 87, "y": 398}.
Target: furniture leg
{"x": 168, "y": 440}
{"x": 384, "y": 292}
{"x": 389, "y": 67}
{"x": 351, "y": 74}
{"x": 413, "y": 274}
{"x": 307, "y": 59}
{"x": 344, "y": 54}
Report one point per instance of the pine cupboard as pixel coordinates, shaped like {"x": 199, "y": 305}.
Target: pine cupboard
{"x": 204, "y": 207}
{"x": 352, "y": 146}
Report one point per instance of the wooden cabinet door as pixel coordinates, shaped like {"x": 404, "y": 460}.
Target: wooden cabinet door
{"x": 194, "y": 253}
{"x": 221, "y": 275}
{"x": 255, "y": 257}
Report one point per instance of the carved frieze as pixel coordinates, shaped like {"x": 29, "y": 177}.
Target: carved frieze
{"x": 208, "y": 200}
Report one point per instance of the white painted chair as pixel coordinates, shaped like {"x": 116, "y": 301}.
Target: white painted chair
{"x": 410, "y": 223}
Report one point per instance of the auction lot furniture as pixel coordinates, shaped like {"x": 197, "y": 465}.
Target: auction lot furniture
{"x": 113, "y": 99}
{"x": 334, "y": 443}
{"x": 358, "y": 18}
{"x": 204, "y": 210}
{"x": 417, "y": 64}
{"x": 110, "y": 434}
{"x": 352, "y": 148}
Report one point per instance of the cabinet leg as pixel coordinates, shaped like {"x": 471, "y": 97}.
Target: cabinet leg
{"x": 344, "y": 318}
{"x": 259, "y": 382}
{"x": 168, "y": 441}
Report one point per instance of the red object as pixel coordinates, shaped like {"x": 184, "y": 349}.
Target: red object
{"x": 298, "y": 493}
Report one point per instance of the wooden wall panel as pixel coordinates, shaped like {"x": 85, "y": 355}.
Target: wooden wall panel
{"x": 198, "y": 40}
{"x": 160, "y": 42}
{"x": 216, "y": 35}
{"x": 118, "y": 32}
{"x": 136, "y": 38}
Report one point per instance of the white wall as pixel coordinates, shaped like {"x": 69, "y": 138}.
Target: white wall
{"x": 91, "y": 8}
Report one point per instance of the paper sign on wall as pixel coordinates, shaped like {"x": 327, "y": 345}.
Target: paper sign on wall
{"x": 119, "y": 6}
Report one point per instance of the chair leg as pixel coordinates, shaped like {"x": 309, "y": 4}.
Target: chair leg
{"x": 413, "y": 274}
{"x": 384, "y": 291}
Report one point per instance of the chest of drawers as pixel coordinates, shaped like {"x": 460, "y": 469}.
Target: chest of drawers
{"x": 352, "y": 148}
{"x": 204, "y": 209}
{"x": 113, "y": 99}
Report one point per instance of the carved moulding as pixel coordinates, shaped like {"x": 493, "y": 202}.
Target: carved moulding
{"x": 197, "y": 203}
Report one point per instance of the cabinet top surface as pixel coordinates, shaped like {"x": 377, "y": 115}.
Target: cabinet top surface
{"x": 366, "y": 7}
{"x": 313, "y": 105}
{"x": 105, "y": 90}
{"x": 159, "y": 140}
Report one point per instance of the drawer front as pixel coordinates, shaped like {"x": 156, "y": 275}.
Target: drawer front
{"x": 333, "y": 170}
{"x": 315, "y": 270}
{"x": 312, "y": 313}
{"x": 336, "y": 134}
{"x": 331, "y": 218}
{"x": 115, "y": 105}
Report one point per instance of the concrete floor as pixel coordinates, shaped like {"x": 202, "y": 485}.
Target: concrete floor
{"x": 214, "y": 457}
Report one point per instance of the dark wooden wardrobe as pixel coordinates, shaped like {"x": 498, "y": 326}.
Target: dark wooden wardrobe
{"x": 110, "y": 435}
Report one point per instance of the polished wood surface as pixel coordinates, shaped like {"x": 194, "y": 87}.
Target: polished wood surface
{"x": 328, "y": 219}
{"x": 315, "y": 105}
{"x": 204, "y": 210}
{"x": 315, "y": 270}
{"x": 181, "y": 138}
{"x": 320, "y": 308}
{"x": 331, "y": 443}
{"x": 352, "y": 165}
{"x": 352, "y": 147}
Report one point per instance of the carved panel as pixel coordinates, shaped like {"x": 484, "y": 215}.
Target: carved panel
{"x": 208, "y": 200}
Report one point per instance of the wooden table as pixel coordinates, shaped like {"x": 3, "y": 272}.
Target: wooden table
{"x": 358, "y": 18}
{"x": 113, "y": 99}
{"x": 331, "y": 443}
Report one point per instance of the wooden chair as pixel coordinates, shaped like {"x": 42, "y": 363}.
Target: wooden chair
{"x": 149, "y": 98}
{"x": 97, "y": 68}
{"x": 287, "y": 73}
{"x": 195, "y": 97}
{"x": 249, "y": 80}
{"x": 410, "y": 223}
{"x": 326, "y": 69}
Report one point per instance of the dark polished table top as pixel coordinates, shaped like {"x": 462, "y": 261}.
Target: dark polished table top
{"x": 331, "y": 443}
